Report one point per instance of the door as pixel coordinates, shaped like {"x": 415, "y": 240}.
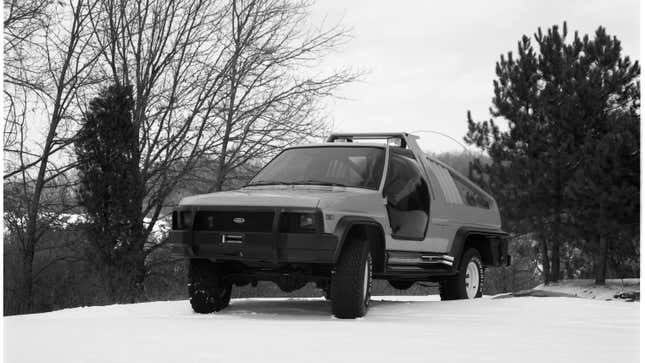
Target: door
{"x": 407, "y": 197}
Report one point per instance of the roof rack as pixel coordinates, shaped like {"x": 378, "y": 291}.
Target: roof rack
{"x": 406, "y": 140}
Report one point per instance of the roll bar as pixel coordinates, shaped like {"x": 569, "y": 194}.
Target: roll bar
{"x": 406, "y": 140}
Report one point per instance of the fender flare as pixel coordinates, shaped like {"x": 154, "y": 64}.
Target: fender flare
{"x": 346, "y": 223}
{"x": 462, "y": 234}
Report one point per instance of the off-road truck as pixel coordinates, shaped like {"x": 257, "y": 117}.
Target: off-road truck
{"x": 340, "y": 214}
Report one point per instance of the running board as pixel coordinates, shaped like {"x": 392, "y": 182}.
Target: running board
{"x": 421, "y": 261}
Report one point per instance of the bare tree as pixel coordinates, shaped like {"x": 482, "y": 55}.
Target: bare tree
{"x": 227, "y": 81}
{"x": 223, "y": 81}
{"x": 61, "y": 72}
{"x": 163, "y": 49}
{"x": 24, "y": 22}
{"x": 272, "y": 97}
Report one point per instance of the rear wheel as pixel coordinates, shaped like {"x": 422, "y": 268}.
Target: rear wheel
{"x": 207, "y": 290}
{"x": 469, "y": 282}
{"x": 351, "y": 286}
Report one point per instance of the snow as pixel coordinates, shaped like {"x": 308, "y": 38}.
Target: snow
{"x": 587, "y": 289}
{"x": 68, "y": 219}
{"x": 160, "y": 229}
{"x": 396, "y": 329}
{"x": 614, "y": 289}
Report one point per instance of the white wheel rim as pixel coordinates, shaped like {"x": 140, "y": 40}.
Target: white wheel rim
{"x": 472, "y": 279}
{"x": 366, "y": 279}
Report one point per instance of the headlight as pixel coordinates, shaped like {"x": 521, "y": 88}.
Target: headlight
{"x": 307, "y": 221}
{"x": 291, "y": 222}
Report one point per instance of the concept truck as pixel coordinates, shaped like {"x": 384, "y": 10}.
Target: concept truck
{"x": 340, "y": 214}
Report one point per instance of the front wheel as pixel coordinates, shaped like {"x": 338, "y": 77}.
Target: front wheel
{"x": 351, "y": 286}
{"x": 469, "y": 282}
{"x": 207, "y": 290}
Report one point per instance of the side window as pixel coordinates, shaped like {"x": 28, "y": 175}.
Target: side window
{"x": 446, "y": 182}
{"x": 455, "y": 189}
{"x": 470, "y": 196}
{"x": 408, "y": 199}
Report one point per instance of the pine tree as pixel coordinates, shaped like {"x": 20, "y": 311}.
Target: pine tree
{"x": 111, "y": 190}
{"x": 558, "y": 101}
{"x": 605, "y": 190}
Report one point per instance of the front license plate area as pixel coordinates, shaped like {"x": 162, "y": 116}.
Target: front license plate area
{"x": 232, "y": 238}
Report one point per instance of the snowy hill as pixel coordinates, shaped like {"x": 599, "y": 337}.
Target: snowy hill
{"x": 397, "y": 329}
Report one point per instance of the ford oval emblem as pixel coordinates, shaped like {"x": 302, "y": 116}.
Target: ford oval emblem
{"x": 239, "y": 220}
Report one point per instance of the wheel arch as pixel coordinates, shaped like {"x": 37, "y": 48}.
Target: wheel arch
{"x": 492, "y": 245}
{"x": 364, "y": 228}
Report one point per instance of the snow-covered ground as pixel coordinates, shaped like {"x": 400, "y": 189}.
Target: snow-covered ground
{"x": 614, "y": 289}
{"x": 588, "y": 290}
{"x": 397, "y": 329}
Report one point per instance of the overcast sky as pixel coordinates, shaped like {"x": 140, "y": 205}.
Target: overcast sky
{"x": 431, "y": 61}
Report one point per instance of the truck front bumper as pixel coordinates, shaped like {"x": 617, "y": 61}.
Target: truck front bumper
{"x": 255, "y": 247}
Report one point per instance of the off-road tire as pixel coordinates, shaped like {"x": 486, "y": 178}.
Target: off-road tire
{"x": 401, "y": 284}
{"x": 207, "y": 290}
{"x": 455, "y": 288}
{"x": 349, "y": 296}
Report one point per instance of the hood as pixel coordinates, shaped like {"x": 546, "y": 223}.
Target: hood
{"x": 275, "y": 196}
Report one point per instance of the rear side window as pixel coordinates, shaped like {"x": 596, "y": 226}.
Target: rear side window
{"x": 455, "y": 189}
{"x": 446, "y": 182}
{"x": 470, "y": 196}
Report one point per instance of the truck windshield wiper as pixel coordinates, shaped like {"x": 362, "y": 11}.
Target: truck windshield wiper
{"x": 268, "y": 182}
{"x": 296, "y": 182}
{"x": 318, "y": 182}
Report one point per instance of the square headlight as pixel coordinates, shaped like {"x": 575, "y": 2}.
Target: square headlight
{"x": 307, "y": 221}
{"x": 297, "y": 222}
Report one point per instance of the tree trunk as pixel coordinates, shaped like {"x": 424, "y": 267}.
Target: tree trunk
{"x": 556, "y": 239}
{"x": 124, "y": 278}
{"x": 137, "y": 278}
{"x": 31, "y": 238}
{"x": 601, "y": 260}
{"x": 555, "y": 260}
{"x": 26, "y": 298}
{"x": 546, "y": 267}
{"x": 568, "y": 269}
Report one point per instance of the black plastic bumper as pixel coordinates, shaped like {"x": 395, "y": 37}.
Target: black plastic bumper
{"x": 255, "y": 247}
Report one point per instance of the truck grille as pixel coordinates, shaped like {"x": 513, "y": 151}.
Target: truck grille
{"x": 231, "y": 221}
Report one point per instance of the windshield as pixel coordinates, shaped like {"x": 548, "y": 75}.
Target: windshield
{"x": 360, "y": 167}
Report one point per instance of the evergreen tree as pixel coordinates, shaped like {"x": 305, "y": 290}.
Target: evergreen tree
{"x": 558, "y": 102}
{"x": 605, "y": 191}
{"x": 111, "y": 191}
